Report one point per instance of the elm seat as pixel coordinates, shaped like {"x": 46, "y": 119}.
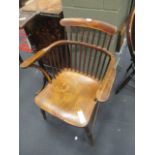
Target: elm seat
{"x": 68, "y": 94}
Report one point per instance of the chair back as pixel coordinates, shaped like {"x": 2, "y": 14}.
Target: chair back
{"x": 89, "y": 31}
{"x": 84, "y": 58}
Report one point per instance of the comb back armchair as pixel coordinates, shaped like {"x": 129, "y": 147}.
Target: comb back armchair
{"x": 73, "y": 89}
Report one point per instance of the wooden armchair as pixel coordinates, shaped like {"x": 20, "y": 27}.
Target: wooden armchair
{"x": 82, "y": 77}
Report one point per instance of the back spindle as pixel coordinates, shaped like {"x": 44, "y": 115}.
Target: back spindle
{"x": 109, "y": 41}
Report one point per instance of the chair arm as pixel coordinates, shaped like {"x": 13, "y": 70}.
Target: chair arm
{"x": 105, "y": 87}
{"x": 29, "y": 61}
{"x": 40, "y": 54}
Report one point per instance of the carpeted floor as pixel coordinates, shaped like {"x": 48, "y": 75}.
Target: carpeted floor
{"x": 114, "y": 131}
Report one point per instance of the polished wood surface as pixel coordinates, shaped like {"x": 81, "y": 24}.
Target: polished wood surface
{"x": 89, "y": 23}
{"x": 44, "y": 6}
{"x": 70, "y": 97}
{"x": 29, "y": 61}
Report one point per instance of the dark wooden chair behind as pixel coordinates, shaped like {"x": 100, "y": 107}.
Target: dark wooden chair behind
{"x": 82, "y": 77}
{"x": 130, "y": 72}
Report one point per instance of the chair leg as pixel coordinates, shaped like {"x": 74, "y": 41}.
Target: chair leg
{"x": 130, "y": 66}
{"x": 125, "y": 82}
{"x": 44, "y": 114}
{"x": 89, "y": 135}
{"x": 93, "y": 121}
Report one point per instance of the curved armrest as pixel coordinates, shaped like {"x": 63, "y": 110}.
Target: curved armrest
{"x": 105, "y": 87}
{"x": 30, "y": 63}
{"x": 90, "y": 23}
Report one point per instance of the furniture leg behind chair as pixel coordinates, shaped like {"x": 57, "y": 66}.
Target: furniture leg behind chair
{"x": 125, "y": 81}
{"x": 44, "y": 114}
{"x": 89, "y": 135}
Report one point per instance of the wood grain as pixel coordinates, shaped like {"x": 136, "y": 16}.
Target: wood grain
{"x": 67, "y": 95}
